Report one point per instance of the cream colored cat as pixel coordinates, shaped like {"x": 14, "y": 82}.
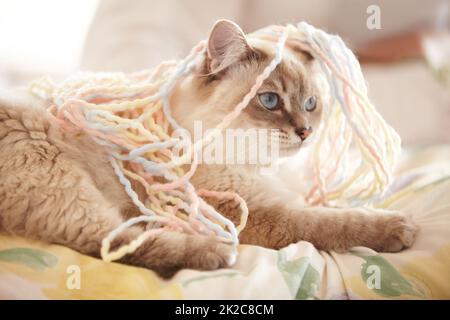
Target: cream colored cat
{"x": 60, "y": 188}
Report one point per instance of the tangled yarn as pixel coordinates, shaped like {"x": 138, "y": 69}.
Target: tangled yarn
{"x": 130, "y": 117}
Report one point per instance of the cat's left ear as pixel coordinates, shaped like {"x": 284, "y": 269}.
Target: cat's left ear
{"x": 226, "y": 45}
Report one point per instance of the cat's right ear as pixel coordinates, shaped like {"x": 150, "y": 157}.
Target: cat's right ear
{"x": 226, "y": 45}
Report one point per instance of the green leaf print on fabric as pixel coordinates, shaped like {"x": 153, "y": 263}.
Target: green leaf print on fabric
{"x": 301, "y": 278}
{"x": 35, "y": 259}
{"x": 392, "y": 283}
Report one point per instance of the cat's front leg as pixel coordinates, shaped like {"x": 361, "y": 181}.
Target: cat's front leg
{"x": 330, "y": 228}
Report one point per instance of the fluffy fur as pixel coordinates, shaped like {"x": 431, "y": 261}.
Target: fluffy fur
{"x": 59, "y": 187}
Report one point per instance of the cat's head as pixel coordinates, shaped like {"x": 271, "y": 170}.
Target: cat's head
{"x": 288, "y": 101}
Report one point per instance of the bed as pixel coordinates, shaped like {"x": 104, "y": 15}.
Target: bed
{"x": 35, "y": 270}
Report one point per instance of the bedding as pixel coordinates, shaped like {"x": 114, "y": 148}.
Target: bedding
{"x": 35, "y": 270}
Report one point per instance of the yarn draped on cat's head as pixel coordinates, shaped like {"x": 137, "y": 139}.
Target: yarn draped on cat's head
{"x": 314, "y": 94}
{"x": 288, "y": 103}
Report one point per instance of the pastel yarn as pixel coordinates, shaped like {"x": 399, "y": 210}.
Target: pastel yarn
{"x": 130, "y": 117}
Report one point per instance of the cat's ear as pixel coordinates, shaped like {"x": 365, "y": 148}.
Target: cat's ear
{"x": 226, "y": 45}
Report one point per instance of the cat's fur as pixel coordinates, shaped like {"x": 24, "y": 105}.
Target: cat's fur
{"x": 59, "y": 187}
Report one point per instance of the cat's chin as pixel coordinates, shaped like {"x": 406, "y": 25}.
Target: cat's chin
{"x": 290, "y": 150}
{"x": 293, "y": 149}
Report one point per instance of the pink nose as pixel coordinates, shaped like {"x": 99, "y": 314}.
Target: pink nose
{"x": 303, "y": 133}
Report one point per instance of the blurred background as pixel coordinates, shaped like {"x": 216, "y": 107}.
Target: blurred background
{"x": 405, "y": 57}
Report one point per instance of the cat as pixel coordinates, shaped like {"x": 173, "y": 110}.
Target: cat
{"x": 59, "y": 187}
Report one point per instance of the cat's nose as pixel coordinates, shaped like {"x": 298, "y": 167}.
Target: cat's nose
{"x": 303, "y": 133}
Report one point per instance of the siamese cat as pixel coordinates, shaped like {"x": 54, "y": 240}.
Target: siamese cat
{"x": 59, "y": 187}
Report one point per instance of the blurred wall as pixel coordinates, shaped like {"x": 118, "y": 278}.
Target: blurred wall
{"x": 42, "y": 36}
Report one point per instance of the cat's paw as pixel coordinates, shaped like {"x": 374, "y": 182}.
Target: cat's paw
{"x": 213, "y": 255}
{"x": 399, "y": 233}
{"x": 171, "y": 252}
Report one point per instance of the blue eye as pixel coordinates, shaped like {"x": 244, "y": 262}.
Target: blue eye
{"x": 269, "y": 100}
{"x": 310, "y": 104}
